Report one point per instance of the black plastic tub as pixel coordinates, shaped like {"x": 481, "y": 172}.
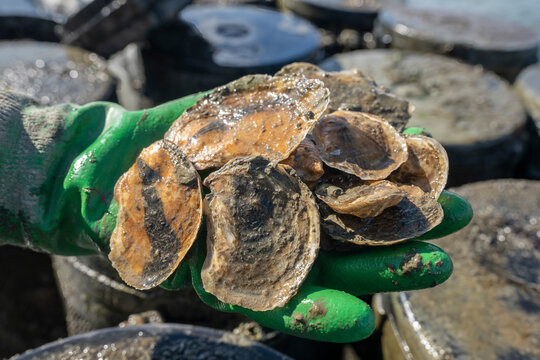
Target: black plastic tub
{"x": 359, "y": 15}
{"x": 156, "y": 342}
{"x": 527, "y": 87}
{"x": 212, "y": 45}
{"x": 27, "y": 19}
{"x": 54, "y": 73}
{"x": 502, "y": 47}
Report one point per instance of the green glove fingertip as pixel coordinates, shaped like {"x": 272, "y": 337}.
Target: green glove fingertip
{"x": 457, "y": 214}
{"x": 406, "y": 266}
{"x": 320, "y": 314}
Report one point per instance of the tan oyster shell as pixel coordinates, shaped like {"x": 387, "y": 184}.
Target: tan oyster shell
{"x": 367, "y": 199}
{"x": 352, "y": 90}
{"x": 360, "y": 144}
{"x": 306, "y": 161}
{"x": 263, "y": 234}
{"x": 426, "y": 165}
{"x": 254, "y": 115}
{"x": 417, "y": 213}
{"x": 159, "y": 213}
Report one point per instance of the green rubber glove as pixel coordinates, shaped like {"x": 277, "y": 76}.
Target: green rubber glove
{"x": 59, "y": 164}
{"x": 326, "y": 307}
{"x": 58, "y": 168}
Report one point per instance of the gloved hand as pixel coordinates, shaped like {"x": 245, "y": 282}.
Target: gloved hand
{"x": 58, "y": 168}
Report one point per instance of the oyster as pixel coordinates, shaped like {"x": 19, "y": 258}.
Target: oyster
{"x": 360, "y": 144}
{"x": 426, "y": 165}
{"x": 254, "y": 115}
{"x": 263, "y": 223}
{"x": 306, "y": 161}
{"x": 159, "y": 213}
{"x": 417, "y": 213}
{"x": 263, "y": 233}
{"x": 352, "y": 90}
{"x": 366, "y": 199}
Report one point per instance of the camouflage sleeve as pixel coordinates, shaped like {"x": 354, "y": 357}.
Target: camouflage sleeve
{"x": 32, "y": 143}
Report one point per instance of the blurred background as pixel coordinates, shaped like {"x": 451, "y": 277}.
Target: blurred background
{"x": 469, "y": 68}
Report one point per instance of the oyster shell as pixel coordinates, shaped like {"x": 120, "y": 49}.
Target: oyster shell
{"x": 306, "y": 161}
{"x": 417, "y": 213}
{"x": 159, "y": 213}
{"x": 254, "y": 115}
{"x": 366, "y": 199}
{"x": 360, "y": 144}
{"x": 426, "y": 165}
{"x": 263, "y": 233}
{"x": 352, "y": 90}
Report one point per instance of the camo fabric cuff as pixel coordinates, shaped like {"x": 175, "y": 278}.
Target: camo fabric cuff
{"x": 30, "y": 139}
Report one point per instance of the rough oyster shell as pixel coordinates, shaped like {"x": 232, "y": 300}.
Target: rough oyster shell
{"x": 417, "y": 213}
{"x": 159, "y": 213}
{"x": 352, "y": 90}
{"x": 426, "y": 166}
{"x": 360, "y": 144}
{"x": 306, "y": 161}
{"x": 366, "y": 199}
{"x": 263, "y": 234}
{"x": 254, "y": 115}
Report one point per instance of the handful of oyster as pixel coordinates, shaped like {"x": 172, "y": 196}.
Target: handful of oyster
{"x": 292, "y": 158}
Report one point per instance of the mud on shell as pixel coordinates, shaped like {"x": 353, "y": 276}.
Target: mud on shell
{"x": 159, "y": 213}
{"x": 254, "y": 115}
{"x": 263, "y": 233}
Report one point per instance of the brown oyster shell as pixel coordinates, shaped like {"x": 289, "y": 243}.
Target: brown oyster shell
{"x": 159, "y": 213}
{"x": 263, "y": 234}
{"x": 352, "y": 90}
{"x": 254, "y": 115}
{"x": 417, "y": 213}
{"x": 426, "y": 166}
{"x": 367, "y": 199}
{"x": 306, "y": 161}
{"x": 360, "y": 144}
